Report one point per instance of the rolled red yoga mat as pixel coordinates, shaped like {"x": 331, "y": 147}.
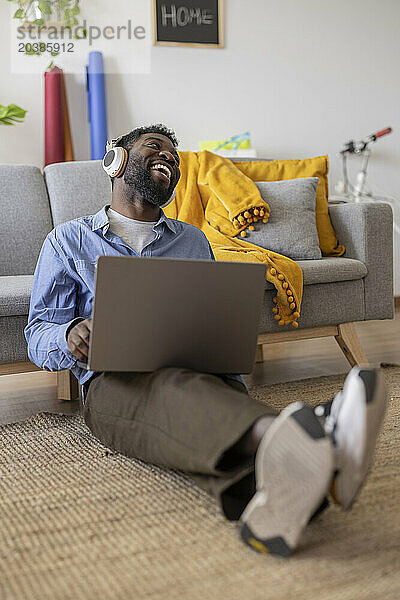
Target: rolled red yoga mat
{"x": 57, "y": 131}
{"x": 53, "y": 116}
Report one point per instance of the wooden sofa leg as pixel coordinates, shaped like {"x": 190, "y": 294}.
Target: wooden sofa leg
{"x": 350, "y": 344}
{"x": 67, "y": 386}
{"x": 259, "y": 354}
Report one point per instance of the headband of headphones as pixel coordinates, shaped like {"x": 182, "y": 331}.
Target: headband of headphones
{"x": 115, "y": 161}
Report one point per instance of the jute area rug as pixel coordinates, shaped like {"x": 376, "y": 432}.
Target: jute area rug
{"x": 79, "y": 521}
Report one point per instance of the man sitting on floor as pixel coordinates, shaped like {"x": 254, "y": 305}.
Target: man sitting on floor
{"x": 271, "y": 472}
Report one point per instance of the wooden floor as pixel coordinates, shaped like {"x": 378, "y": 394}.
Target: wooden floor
{"x": 28, "y": 393}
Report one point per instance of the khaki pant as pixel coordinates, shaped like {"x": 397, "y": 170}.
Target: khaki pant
{"x": 180, "y": 419}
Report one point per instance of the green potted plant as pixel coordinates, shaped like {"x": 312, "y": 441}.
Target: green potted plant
{"x": 41, "y": 12}
{"x": 11, "y": 114}
{"x": 46, "y": 13}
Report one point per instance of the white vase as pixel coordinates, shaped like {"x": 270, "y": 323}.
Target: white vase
{"x": 35, "y": 13}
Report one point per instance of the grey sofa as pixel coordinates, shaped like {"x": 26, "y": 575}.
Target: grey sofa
{"x": 337, "y": 291}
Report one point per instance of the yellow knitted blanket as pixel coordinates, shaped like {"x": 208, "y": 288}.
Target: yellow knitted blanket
{"x": 216, "y": 197}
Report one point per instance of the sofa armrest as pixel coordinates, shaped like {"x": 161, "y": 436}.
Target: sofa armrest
{"x": 366, "y": 230}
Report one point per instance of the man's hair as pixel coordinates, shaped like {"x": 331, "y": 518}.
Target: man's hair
{"x": 130, "y": 138}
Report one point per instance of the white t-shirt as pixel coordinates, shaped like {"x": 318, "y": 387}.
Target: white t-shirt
{"x": 137, "y": 234}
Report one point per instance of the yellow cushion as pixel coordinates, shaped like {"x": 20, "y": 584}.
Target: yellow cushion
{"x": 277, "y": 170}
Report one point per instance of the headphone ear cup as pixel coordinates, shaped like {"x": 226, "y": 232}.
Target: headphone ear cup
{"x": 114, "y": 162}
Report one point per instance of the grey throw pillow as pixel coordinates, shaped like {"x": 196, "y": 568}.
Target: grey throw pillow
{"x": 291, "y": 229}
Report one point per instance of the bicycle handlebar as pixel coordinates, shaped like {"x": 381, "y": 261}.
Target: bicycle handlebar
{"x": 382, "y": 132}
{"x": 353, "y": 147}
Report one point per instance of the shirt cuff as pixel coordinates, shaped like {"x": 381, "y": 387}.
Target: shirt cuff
{"x": 62, "y": 336}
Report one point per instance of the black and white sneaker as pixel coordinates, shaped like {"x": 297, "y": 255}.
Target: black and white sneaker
{"x": 353, "y": 420}
{"x": 294, "y": 470}
{"x": 306, "y": 452}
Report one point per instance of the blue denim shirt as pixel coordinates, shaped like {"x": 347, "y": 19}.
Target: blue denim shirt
{"x": 63, "y": 282}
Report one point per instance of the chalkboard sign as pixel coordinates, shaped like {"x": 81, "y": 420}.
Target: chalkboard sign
{"x": 188, "y": 23}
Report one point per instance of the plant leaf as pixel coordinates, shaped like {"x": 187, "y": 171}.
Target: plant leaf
{"x": 19, "y": 14}
{"x": 16, "y": 111}
{"x": 32, "y": 52}
{"x": 44, "y": 7}
{"x": 11, "y": 114}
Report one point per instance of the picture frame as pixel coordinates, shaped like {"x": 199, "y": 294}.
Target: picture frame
{"x": 194, "y": 23}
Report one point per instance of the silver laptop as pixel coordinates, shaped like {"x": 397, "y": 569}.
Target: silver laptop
{"x": 150, "y": 313}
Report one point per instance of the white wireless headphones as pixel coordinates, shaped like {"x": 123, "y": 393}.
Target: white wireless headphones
{"x": 115, "y": 161}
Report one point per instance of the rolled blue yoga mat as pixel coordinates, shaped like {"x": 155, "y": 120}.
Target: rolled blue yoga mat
{"x": 96, "y": 89}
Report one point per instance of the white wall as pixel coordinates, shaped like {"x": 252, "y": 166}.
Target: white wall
{"x": 302, "y": 77}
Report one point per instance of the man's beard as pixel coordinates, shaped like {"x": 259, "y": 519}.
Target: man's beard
{"x": 139, "y": 178}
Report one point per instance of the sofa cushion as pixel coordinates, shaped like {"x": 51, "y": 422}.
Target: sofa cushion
{"x": 322, "y": 304}
{"x": 291, "y": 229}
{"x": 15, "y": 293}
{"x": 330, "y": 270}
{"x": 275, "y": 170}
{"x": 15, "y": 290}
{"x": 76, "y": 189}
{"x": 25, "y": 218}
{"x": 13, "y": 346}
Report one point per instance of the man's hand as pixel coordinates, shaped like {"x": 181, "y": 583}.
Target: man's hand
{"x": 78, "y": 339}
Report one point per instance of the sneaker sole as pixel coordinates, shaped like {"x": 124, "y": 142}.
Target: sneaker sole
{"x": 294, "y": 469}
{"x": 359, "y": 422}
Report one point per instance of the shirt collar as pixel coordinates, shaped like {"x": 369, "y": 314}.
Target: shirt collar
{"x": 100, "y": 220}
